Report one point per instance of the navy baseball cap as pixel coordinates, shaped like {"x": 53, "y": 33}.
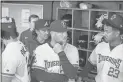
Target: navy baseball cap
{"x": 115, "y": 20}
{"x": 8, "y": 25}
{"x": 42, "y": 24}
{"x": 58, "y": 26}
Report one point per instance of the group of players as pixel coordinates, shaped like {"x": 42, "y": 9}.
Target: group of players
{"x": 42, "y": 53}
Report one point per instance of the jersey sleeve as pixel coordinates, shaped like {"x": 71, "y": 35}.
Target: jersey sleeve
{"x": 93, "y": 57}
{"x": 9, "y": 62}
{"x": 9, "y": 68}
{"x": 72, "y": 55}
{"x": 75, "y": 58}
{"x": 21, "y": 68}
{"x": 38, "y": 60}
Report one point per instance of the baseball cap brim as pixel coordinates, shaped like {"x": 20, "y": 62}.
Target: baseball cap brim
{"x": 41, "y": 24}
{"x": 44, "y": 28}
{"x": 57, "y": 30}
{"x": 108, "y": 22}
{"x": 58, "y": 26}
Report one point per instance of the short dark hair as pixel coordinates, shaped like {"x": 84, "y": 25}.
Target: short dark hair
{"x": 69, "y": 18}
{"x": 6, "y": 35}
{"x": 33, "y": 16}
{"x": 9, "y": 29}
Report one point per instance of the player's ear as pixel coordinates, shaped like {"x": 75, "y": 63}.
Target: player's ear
{"x": 121, "y": 36}
{"x": 117, "y": 33}
{"x": 52, "y": 33}
{"x": 17, "y": 34}
{"x": 37, "y": 32}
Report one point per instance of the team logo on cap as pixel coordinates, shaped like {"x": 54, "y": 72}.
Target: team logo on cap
{"x": 26, "y": 37}
{"x": 6, "y": 20}
{"x": 113, "y": 17}
{"x": 63, "y": 24}
{"x": 9, "y": 26}
{"x": 46, "y": 24}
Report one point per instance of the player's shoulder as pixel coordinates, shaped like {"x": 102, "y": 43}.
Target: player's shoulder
{"x": 42, "y": 47}
{"x": 101, "y": 45}
{"x": 11, "y": 45}
{"x": 120, "y": 47}
{"x": 11, "y": 50}
{"x": 14, "y": 46}
{"x": 70, "y": 46}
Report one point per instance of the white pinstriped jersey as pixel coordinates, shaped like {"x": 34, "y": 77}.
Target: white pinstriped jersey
{"x": 14, "y": 62}
{"x": 46, "y": 59}
{"x": 109, "y": 62}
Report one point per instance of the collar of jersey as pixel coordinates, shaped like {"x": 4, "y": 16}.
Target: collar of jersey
{"x": 50, "y": 45}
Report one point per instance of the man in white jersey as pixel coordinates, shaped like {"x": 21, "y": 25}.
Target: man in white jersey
{"x": 56, "y": 61}
{"x": 15, "y": 55}
{"x": 108, "y": 56}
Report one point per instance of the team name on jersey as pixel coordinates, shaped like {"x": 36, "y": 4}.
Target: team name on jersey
{"x": 49, "y": 64}
{"x": 114, "y": 61}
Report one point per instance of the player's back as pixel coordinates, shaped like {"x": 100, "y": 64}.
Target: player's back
{"x": 15, "y": 60}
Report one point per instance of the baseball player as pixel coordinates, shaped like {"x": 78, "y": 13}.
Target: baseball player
{"x": 15, "y": 55}
{"x": 40, "y": 35}
{"x": 41, "y": 31}
{"x": 56, "y": 61}
{"x": 108, "y": 56}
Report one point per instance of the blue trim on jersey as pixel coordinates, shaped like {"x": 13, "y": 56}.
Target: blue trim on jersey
{"x": 50, "y": 44}
{"x": 75, "y": 65}
{"x": 38, "y": 67}
{"x": 6, "y": 74}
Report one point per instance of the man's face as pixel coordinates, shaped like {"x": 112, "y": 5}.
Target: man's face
{"x": 32, "y": 22}
{"x": 67, "y": 22}
{"x": 42, "y": 35}
{"x": 110, "y": 34}
{"x": 61, "y": 37}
